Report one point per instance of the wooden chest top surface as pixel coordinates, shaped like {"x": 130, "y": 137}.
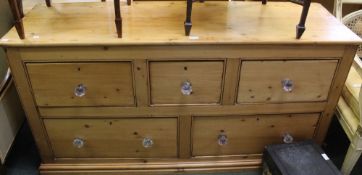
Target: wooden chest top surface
{"x": 161, "y": 23}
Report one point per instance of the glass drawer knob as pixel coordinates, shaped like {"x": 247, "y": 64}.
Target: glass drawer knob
{"x": 80, "y": 90}
{"x": 287, "y": 138}
{"x": 186, "y": 88}
{"x": 222, "y": 139}
{"x": 287, "y": 85}
{"x": 147, "y": 142}
{"x": 78, "y": 142}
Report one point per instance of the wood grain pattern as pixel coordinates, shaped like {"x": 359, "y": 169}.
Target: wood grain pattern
{"x": 120, "y": 138}
{"x": 242, "y": 109}
{"x": 166, "y": 79}
{"x": 107, "y": 84}
{"x": 159, "y": 166}
{"x": 172, "y": 52}
{"x": 184, "y": 136}
{"x": 231, "y": 81}
{"x": 141, "y": 80}
{"x": 248, "y": 134}
{"x": 235, "y": 23}
{"x": 261, "y": 81}
{"x": 29, "y": 106}
{"x": 335, "y": 92}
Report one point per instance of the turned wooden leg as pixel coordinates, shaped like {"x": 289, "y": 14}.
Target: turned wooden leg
{"x": 187, "y": 22}
{"x": 14, "y": 6}
{"x": 118, "y": 20}
{"x": 263, "y": 1}
{"x": 20, "y": 6}
{"x": 49, "y": 3}
{"x": 350, "y": 160}
{"x": 303, "y": 17}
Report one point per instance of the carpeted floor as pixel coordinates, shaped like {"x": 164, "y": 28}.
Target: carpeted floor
{"x": 24, "y": 159}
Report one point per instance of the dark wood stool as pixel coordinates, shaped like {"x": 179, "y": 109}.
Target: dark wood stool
{"x": 17, "y": 11}
{"x": 300, "y": 27}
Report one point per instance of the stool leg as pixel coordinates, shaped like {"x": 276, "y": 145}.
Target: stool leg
{"x": 48, "y": 2}
{"x": 264, "y": 2}
{"x": 301, "y": 25}
{"x": 188, "y": 23}
{"x": 118, "y": 20}
{"x": 14, "y": 5}
{"x": 350, "y": 160}
{"x": 20, "y": 6}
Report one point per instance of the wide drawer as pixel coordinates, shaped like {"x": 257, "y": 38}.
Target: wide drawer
{"x": 82, "y": 84}
{"x": 285, "y": 81}
{"x": 186, "y": 82}
{"x": 113, "y": 138}
{"x": 236, "y": 135}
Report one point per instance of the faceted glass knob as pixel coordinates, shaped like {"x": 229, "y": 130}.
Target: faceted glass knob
{"x": 186, "y": 88}
{"x": 80, "y": 90}
{"x": 147, "y": 142}
{"x": 78, "y": 142}
{"x": 287, "y": 138}
{"x": 222, "y": 139}
{"x": 287, "y": 85}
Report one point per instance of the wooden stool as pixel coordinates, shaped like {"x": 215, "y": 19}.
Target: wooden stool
{"x": 300, "y": 27}
{"x": 17, "y": 10}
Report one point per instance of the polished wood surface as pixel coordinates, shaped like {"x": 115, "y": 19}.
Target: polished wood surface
{"x": 106, "y": 84}
{"x": 248, "y": 134}
{"x": 245, "y": 45}
{"x": 166, "y": 79}
{"x": 113, "y": 138}
{"x": 261, "y": 81}
{"x": 236, "y": 22}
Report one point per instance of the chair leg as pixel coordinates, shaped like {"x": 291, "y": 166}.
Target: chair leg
{"x": 303, "y": 18}
{"x": 264, "y": 2}
{"x": 20, "y": 5}
{"x": 338, "y": 9}
{"x": 48, "y": 2}
{"x": 14, "y": 5}
{"x": 350, "y": 160}
{"x": 129, "y": 2}
{"x": 188, "y": 23}
{"x": 118, "y": 20}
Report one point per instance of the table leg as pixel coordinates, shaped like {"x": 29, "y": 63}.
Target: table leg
{"x": 303, "y": 17}
{"x": 48, "y": 2}
{"x": 118, "y": 20}
{"x": 188, "y": 23}
{"x": 14, "y": 6}
{"x": 20, "y": 5}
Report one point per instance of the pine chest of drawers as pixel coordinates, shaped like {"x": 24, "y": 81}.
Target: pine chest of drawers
{"x": 159, "y": 102}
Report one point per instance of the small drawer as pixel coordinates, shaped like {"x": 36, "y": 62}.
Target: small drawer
{"x": 236, "y": 135}
{"x": 186, "y": 82}
{"x": 82, "y": 84}
{"x": 113, "y": 138}
{"x": 285, "y": 81}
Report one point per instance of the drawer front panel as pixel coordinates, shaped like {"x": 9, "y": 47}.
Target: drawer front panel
{"x": 82, "y": 84}
{"x": 247, "y": 134}
{"x": 285, "y": 81}
{"x": 193, "y": 82}
{"x": 113, "y": 138}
